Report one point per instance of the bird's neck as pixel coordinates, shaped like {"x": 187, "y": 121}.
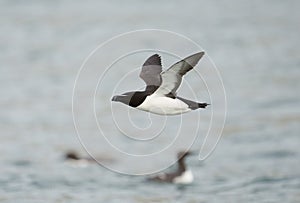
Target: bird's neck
{"x": 181, "y": 165}
{"x": 151, "y": 88}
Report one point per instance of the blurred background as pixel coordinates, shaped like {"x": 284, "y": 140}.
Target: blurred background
{"x": 254, "y": 44}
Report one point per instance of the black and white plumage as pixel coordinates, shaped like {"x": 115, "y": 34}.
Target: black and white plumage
{"x": 75, "y": 160}
{"x": 181, "y": 176}
{"x": 159, "y": 96}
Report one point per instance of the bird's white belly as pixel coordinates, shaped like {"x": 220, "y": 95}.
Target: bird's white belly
{"x": 163, "y": 105}
{"x": 185, "y": 178}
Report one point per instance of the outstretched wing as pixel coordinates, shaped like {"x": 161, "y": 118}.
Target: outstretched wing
{"x": 151, "y": 71}
{"x": 171, "y": 78}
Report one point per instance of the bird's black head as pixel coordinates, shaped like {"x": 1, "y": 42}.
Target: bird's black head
{"x": 183, "y": 154}
{"x": 71, "y": 155}
{"x": 124, "y": 98}
{"x": 132, "y": 99}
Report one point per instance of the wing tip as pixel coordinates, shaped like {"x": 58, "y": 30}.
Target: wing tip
{"x": 199, "y": 54}
{"x": 193, "y": 59}
{"x": 154, "y": 59}
{"x": 157, "y": 55}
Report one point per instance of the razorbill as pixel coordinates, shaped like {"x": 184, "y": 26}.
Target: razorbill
{"x": 181, "y": 176}
{"x": 159, "y": 96}
{"x": 75, "y": 160}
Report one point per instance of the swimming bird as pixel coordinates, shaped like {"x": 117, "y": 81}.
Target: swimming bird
{"x": 71, "y": 155}
{"x": 181, "y": 176}
{"x": 75, "y": 160}
{"x": 159, "y": 96}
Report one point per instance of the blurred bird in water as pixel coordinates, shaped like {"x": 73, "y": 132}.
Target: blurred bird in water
{"x": 181, "y": 176}
{"x": 75, "y": 160}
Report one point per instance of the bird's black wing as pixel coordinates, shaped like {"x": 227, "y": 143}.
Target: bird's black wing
{"x": 151, "y": 71}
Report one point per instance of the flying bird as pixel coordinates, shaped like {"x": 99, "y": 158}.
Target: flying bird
{"x": 181, "y": 176}
{"x": 159, "y": 96}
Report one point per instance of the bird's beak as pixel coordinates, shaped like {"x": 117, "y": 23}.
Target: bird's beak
{"x": 118, "y": 98}
{"x": 124, "y": 98}
{"x": 115, "y": 98}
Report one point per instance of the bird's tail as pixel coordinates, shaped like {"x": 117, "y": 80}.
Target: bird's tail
{"x": 202, "y": 105}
